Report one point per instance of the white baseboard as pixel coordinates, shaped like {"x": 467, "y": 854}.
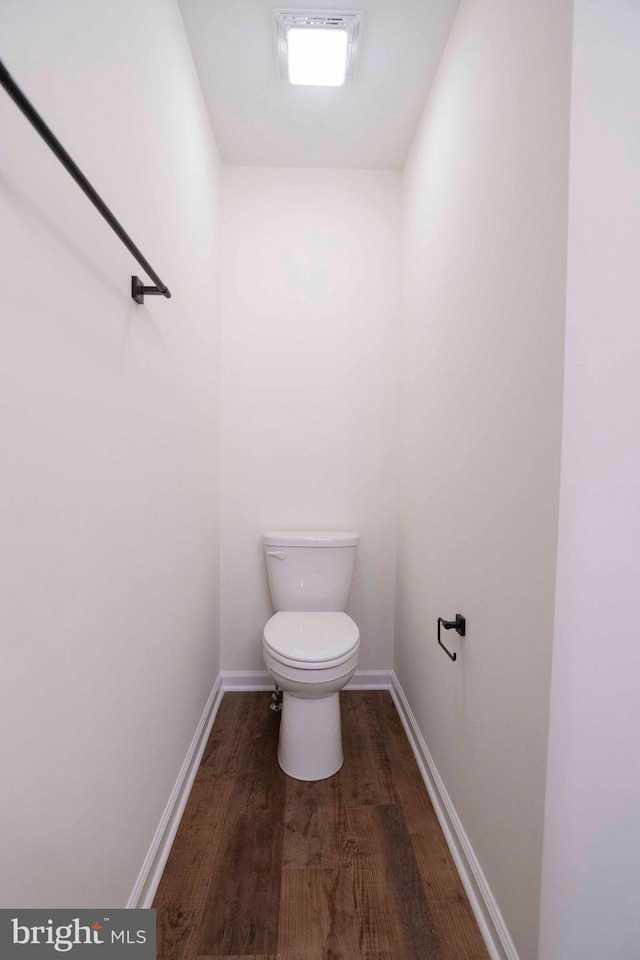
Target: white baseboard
{"x": 147, "y": 883}
{"x": 246, "y": 680}
{"x": 483, "y": 903}
{"x": 371, "y": 680}
{"x": 261, "y": 680}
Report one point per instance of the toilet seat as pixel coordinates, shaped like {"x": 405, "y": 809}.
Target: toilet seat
{"x": 311, "y": 639}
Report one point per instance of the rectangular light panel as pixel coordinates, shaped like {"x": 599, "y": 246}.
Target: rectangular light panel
{"x": 317, "y": 58}
{"x": 317, "y": 47}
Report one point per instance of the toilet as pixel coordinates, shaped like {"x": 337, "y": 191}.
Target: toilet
{"x": 310, "y": 645}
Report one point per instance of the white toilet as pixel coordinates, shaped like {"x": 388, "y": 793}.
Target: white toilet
{"x": 310, "y": 645}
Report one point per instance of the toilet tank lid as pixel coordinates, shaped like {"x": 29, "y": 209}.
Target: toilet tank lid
{"x": 310, "y": 538}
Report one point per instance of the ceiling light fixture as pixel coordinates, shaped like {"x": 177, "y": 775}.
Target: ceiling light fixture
{"x": 317, "y": 47}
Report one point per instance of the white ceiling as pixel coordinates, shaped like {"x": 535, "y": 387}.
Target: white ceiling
{"x": 260, "y": 119}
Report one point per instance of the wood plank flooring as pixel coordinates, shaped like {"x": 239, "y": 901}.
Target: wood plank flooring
{"x": 355, "y": 867}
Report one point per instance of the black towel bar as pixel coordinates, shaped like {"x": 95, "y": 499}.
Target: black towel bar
{"x": 138, "y": 290}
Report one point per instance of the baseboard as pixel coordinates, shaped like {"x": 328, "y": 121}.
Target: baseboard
{"x": 371, "y": 680}
{"x": 261, "y": 680}
{"x": 147, "y": 883}
{"x": 483, "y": 903}
{"x": 239, "y": 680}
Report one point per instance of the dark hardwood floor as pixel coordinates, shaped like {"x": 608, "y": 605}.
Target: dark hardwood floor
{"x": 350, "y": 868}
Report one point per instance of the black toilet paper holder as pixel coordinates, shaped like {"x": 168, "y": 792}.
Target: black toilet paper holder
{"x": 459, "y": 625}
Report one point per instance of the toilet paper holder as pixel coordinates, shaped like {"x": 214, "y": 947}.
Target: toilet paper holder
{"x": 459, "y": 625}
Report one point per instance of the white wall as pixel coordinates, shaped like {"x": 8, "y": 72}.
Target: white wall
{"x": 109, "y": 453}
{"x": 310, "y": 296}
{"x": 592, "y": 828}
{"x": 484, "y": 275}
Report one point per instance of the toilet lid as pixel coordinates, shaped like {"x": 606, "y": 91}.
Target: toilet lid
{"x": 311, "y": 637}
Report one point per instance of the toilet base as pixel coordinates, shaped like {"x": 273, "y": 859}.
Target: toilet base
{"x": 310, "y": 746}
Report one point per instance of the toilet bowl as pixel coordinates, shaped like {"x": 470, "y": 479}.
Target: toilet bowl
{"x": 310, "y": 652}
{"x": 311, "y": 656}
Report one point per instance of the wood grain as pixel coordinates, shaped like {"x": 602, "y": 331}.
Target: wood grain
{"x": 350, "y": 868}
{"x": 366, "y": 776}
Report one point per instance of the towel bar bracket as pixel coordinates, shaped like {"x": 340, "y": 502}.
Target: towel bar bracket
{"x": 139, "y": 291}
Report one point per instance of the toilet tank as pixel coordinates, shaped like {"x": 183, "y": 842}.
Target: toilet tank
{"x": 310, "y": 570}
